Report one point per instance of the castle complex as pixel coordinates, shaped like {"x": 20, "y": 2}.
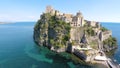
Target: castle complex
{"x": 86, "y": 39}
{"x": 76, "y": 20}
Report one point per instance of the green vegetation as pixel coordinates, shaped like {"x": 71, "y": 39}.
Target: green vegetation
{"x": 111, "y": 41}
{"x": 104, "y": 29}
{"x": 62, "y": 31}
{"x": 57, "y": 32}
{"x": 94, "y": 44}
{"x": 90, "y": 31}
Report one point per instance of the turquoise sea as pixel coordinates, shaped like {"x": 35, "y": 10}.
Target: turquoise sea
{"x": 18, "y": 50}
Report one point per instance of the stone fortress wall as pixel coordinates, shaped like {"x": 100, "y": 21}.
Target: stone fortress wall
{"x": 74, "y": 20}
{"x": 77, "y": 21}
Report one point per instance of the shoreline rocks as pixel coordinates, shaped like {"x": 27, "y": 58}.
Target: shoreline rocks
{"x": 62, "y": 32}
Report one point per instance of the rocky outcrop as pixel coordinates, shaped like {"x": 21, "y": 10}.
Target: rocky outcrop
{"x": 52, "y": 32}
{"x": 60, "y": 32}
{"x": 80, "y": 54}
{"x": 109, "y": 44}
{"x": 108, "y": 48}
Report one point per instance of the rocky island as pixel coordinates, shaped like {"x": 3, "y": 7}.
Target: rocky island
{"x": 63, "y": 32}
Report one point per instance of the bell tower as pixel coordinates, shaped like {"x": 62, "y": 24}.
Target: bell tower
{"x": 49, "y": 9}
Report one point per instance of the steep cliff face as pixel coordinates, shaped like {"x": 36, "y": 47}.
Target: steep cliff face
{"x": 52, "y": 32}
{"x": 109, "y": 44}
{"x": 56, "y": 34}
{"x": 62, "y": 32}
{"x": 58, "y": 31}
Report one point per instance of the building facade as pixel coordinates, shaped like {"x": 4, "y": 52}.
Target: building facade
{"x": 74, "y": 20}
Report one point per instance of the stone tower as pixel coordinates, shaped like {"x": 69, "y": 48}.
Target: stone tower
{"x": 78, "y": 20}
{"x": 50, "y": 9}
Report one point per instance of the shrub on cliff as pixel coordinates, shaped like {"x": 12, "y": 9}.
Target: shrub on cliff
{"x": 104, "y": 29}
{"x": 111, "y": 42}
{"x": 57, "y": 31}
{"x": 90, "y": 31}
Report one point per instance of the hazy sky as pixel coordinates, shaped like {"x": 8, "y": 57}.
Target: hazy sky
{"x": 30, "y": 10}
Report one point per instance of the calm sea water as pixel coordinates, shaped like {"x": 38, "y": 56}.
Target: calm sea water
{"x": 18, "y": 50}
{"x": 115, "y": 28}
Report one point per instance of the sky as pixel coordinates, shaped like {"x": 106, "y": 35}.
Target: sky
{"x": 30, "y": 10}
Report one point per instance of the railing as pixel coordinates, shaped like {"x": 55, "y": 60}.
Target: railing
{"x": 112, "y": 64}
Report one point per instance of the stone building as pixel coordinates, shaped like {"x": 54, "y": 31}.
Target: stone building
{"x": 75, "y": 21}
{"x": 93, "y": 23}
{"x": 50, "y": 9}
{"x": 67, "y": 18}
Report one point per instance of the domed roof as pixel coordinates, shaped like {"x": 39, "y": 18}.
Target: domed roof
{"x": 79, "y": 14}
